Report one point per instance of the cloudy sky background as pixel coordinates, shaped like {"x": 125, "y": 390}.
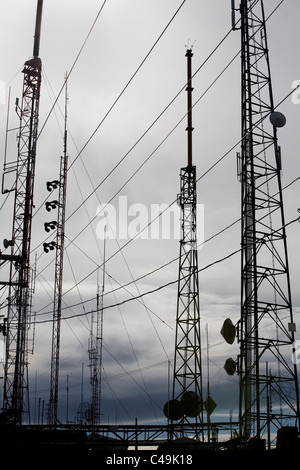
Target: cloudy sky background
{"x": 107, "y": 129}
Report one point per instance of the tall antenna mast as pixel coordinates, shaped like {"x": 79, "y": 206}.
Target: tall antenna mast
{"x": 189, "y": 90}
{"x": 187, "y": 404}
{"x": 96, "y": 347}
{"x": 15, "y": 373}
{"x": 58, "y": 279}
{"x": 266, "y": 327}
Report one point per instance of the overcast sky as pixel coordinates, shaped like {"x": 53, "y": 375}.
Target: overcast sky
{"x": 107, "y": 127}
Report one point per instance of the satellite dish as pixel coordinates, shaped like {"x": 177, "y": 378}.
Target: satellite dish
{"x": 277, "y": 119}
{"x": 173, "y": 410}
{"x": 230, "y": 366}
{"x": 228, "y": 331}
{"x": 191, "y": 404}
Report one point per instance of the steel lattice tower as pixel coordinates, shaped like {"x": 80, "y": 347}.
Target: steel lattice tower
{"x": 15, "y": 373}
{"x": 187, "y": 404}
{"x": 95, "y": 353}
{"x": 268, "y": 378}
{"x": 58, "y": 277}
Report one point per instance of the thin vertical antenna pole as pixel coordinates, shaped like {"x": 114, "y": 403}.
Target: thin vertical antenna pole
{"x": 189, "y": 90}
{"x": 81, "y": 393}
{"x": 67, "y": 411}
{"x": 100, "y": 345}
{"x": 233, "y": 14}
{"x": 7, "y": 130}
{"x": 208, "y": 386}
{"x": 38, "y": 23}
{"x": 104, "y": 259}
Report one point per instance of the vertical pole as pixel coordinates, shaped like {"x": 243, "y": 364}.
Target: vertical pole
{"x": 67, "y": 413}
{"x": 189, "y": 90}
{"x": 208, "y": 386}
{"x": 36, "y": 46}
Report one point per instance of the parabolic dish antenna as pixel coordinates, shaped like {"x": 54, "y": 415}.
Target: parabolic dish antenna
{"x": 277, "y": 119}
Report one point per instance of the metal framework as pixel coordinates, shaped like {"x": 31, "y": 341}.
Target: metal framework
{"x": 58, "y": 278}
{"x": 187, "y": 403}
{"x": 268, "y": 378}
{"x": 18, "y": 322}
{"x": 95, "y": 353}
{"x": 116, "y": 438}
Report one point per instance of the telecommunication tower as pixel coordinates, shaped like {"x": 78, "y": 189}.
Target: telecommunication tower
{"x": 18, "y": 321}
{"x": 58, "y": 277}
{"x": 269, "y": 396}
{"x": 186, "y": 404}
{"x": 95, "y": 351}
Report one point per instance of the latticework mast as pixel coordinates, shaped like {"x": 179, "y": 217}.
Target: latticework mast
{"x": 268, "y": 378}
{"x": 17, "y": 325}
{"x": 187, "y": 404}
{"x": 58, "y": 278}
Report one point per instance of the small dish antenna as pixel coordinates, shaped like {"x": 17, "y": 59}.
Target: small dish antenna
{"x": 228, "y": 331}
{"x": 8, "y": 243}
{"x": 277, "y": 119}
